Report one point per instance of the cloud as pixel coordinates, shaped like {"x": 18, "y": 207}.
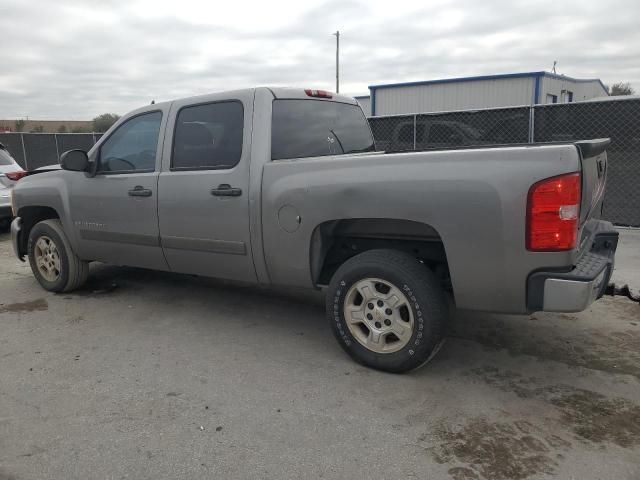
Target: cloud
{"x": 76, "y": 59}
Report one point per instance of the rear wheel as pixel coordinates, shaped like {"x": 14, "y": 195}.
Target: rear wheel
{"x": 387, "y": 310}
{"x": 54, "y": 264}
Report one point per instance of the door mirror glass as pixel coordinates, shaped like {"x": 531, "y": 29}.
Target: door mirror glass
{"x": 74, "y": 160}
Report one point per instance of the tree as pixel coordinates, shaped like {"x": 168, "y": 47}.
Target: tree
{"x": 102, "y": 122}
{"x": 621, "y": 88}
{"x": 37, "y": 129}
{"x": 19, "y": 125}
{"x": 62, "y": 129}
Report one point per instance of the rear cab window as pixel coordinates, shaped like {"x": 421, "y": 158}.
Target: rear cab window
{"x": 313, "y": 128}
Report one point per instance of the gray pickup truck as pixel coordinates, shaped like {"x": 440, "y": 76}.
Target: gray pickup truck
{"x": 280, "y": 186}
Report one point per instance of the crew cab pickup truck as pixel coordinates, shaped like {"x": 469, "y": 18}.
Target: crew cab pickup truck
{"x": 281, "y": 186}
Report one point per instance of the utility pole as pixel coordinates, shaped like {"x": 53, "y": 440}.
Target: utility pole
{"x": 337, "y": 34}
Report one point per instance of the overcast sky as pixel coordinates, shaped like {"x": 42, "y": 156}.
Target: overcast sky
{"x": 74, "y": 59}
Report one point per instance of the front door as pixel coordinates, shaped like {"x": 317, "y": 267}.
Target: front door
{"x": 114, "y": 213}
{"x": 204, "y": 189}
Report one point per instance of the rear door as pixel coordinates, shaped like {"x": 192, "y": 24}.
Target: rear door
{"x": 204, "y": 199}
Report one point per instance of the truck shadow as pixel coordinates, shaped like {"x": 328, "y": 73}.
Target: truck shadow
{"x": 606, "y": 337}
{"x": 110, "y": 279}
{"x": 576, "y": 340}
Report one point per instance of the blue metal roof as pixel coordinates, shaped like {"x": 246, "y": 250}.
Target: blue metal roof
{"x": 486, "y": 77}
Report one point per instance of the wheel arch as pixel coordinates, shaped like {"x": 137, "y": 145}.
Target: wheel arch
{"x": 335, "y": 241}
{"x": 30, "y": 215}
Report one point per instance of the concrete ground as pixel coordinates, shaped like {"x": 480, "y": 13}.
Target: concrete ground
{"x": 152, "y": 375}
{"x": 627, "y": 269}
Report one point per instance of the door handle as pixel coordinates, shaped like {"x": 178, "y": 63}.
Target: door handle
{"x": 226, "y": 190}
{"x": 139, "y": 191}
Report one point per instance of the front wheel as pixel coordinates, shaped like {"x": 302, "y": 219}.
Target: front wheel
{"x": 54, "y": 264}
{"x": 387, "y": 310}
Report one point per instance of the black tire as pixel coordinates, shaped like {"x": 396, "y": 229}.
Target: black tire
{"x": 73, "y": 270}
{"x": 425, "y": 296}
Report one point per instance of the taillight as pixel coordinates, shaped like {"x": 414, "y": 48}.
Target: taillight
{"x": 318, "y": 93}
{"x": 553, "y": 212}
{"x": 15, "y": 176}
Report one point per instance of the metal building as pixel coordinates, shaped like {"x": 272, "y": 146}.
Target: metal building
{"x": 489, "y": 91}
{"x": 365, "y": 103}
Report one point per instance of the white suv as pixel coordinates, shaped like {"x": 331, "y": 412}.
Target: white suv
{"x": 10, "y": 173}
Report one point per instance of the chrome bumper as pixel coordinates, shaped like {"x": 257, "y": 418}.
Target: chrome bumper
{"x": 573, "y": 295}
{"x": 575, "y": 290}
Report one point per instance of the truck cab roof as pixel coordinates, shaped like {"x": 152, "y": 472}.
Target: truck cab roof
{"x": 277, "y": 92}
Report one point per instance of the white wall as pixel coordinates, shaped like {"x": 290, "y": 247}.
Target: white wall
{"x": 365, "y": 103}
{"x": 581, "y": 90}
{"x": 440, "y": 97}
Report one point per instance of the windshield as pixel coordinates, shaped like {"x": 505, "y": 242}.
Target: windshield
{"x": 314, "y": 128}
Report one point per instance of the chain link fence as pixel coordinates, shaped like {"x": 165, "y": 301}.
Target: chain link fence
{"x": 35, "y": 150}
{"x": 451, "y": 129}
{"x": 618, "y": 119}
{"x": 615, "y": 119}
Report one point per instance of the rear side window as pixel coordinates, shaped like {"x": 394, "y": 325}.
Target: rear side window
{"x": 5, "y": 158}
{"x": 208, "y": 136}
{"x": 314, "y": 128}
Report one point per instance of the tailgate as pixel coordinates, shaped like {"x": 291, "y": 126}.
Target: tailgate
{"x": 593, "y": 156}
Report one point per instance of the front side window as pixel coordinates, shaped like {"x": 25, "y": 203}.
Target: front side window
{"x": 132, "y": 147}
{"x": 208, "y": 136}
{"x": 314, "y": 128}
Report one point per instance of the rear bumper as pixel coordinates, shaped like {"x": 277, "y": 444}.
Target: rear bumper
{"x": 16, "y": 228}
{"x": 575, "y": 290}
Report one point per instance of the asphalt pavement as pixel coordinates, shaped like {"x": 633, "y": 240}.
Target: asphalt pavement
{"x": 146, "y": 375}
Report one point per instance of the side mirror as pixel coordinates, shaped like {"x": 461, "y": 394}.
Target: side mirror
{"x": 74, "y": 160}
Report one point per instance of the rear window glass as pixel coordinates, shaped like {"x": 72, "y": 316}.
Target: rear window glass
{"x": 5, "y": 158}
{"x": 315, "y": 128}
{"x": 208, "y": 136}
